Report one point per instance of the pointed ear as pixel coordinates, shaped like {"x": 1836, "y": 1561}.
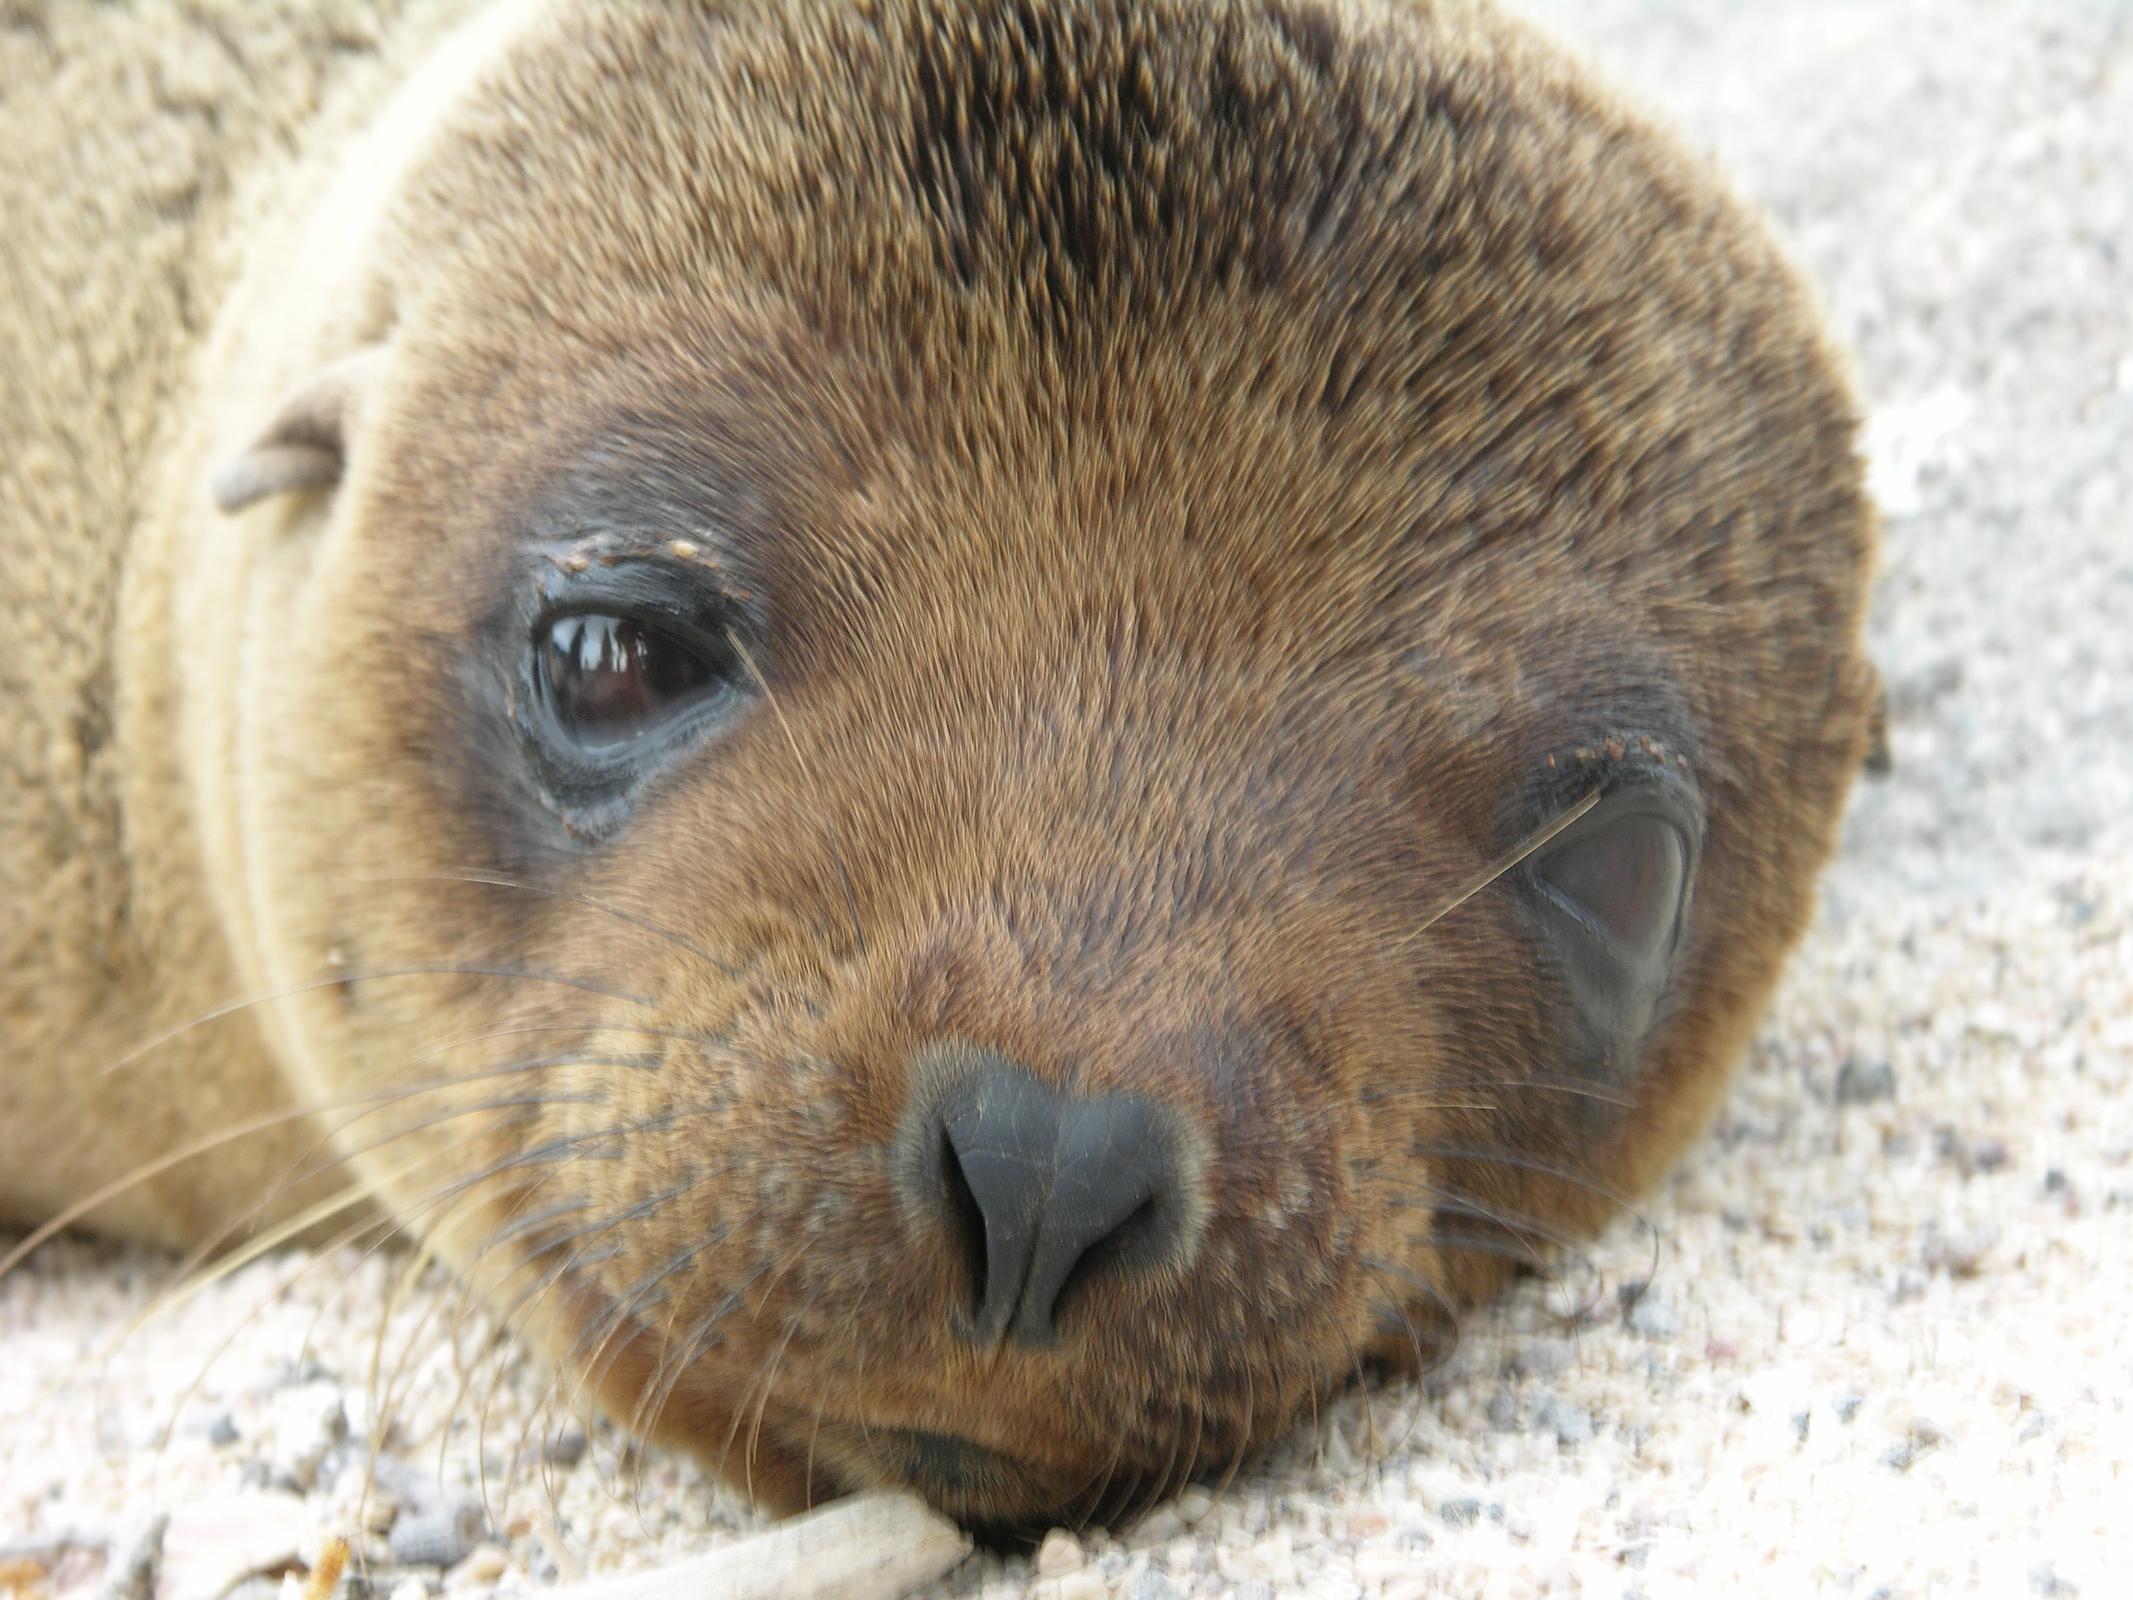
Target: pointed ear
{"x": 306, "y": 444}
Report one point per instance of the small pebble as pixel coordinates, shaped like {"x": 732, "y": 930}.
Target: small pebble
{"x": 305, "y": 1424}
{"x": 222, "y": 1431}
{"x": 1460, "y": 1513}
{"x": 1160, "y": 1526}
{"x": 1988, "y": 1155}
{"x": 566, "y": 1449}
{"x": 437, "y": 1536}
{"x": 1652, "y": 1318}
{"x": 2046, "y": 1581}
{"x": 1194, "y": 1504}
{"x": 1862, "y": 1083}
{"x": 1060, "y": 1553}
{"x": 1962, "y": 1254}
{"x": 486, "y": 1564}
{"x": 1572, "y": 1423}
{"x": 1542, "y": 1358}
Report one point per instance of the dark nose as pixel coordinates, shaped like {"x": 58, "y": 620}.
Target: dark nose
{"x": 1045, "y": 1192}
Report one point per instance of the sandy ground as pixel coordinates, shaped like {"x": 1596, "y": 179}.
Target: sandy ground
{"x": 1885, "y": 1350}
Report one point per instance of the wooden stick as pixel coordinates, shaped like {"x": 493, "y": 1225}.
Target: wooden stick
{"x": 868, "y": 1547}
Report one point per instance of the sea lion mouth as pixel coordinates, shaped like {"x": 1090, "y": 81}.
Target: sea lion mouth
{"x": 946, "y": 1466}
{"x": 997, "y": 1496}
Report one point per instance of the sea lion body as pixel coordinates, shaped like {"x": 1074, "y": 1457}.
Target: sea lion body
{"x": 906, "y": 670}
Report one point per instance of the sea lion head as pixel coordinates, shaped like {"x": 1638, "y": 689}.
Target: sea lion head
{"x": 1024, "y": 724}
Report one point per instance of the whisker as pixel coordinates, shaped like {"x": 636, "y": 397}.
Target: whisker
{"x": 458, "y": 1192}
{"x": 441, "y": 969}
{"x": 623, "y": 1312}
{"x": 355, "y": 1194}
{"x": 53, "y": 1226}
{"x": 842, "y": 1341}
{"x": 1535, "y": 840}
{"x": 1448, "y": 1202}
{"x": 1185, "y": 1462}
{"x": 1613, "y": 1197}
{"x": 281, "y": 1287}
{"x": 470, "y": 1296}
{"x": 1355, "y": 1378}
{"x": 1097, "y": 1486}
{"x": 557, "y": 1272}
{"x": 382, "y": 1228}
{"x": 571, "y": 1263}
{"x": 1565, "y": 1086}
{"x": 528, "y": 1298}
{"x": 498, "y": 880}
{"x": 632, "y": 1429}
{"x": 770, "y": 1378}
{"x": 367, "y": 976}
{"x": 734, "y": 1431}
{"x": 619, "y": 1313}
{"x": 306, "y": 1167}
{"x": 1414, "y": 1343}
{"x": 1244, "y": 1438}
{"x": 188, "y": 1287}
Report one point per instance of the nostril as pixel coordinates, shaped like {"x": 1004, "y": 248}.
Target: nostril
{"x": 964, "y": 1219}
{"x": 1044, "y": 1195}
{"x": 1107, "y": 1256}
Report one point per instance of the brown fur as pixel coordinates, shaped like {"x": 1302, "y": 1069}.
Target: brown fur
{"x": 1198, "y": 463}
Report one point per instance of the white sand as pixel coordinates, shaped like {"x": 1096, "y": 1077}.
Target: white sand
{"x": 1887, "y": 1348}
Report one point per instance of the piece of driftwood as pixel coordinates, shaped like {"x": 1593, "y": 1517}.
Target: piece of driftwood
{"x": 869, "y": 1547}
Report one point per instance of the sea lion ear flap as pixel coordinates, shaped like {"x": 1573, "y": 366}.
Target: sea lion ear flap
{"x": 306, "y": 444}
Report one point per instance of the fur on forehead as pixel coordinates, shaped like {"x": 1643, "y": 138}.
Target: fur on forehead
{"x": 1043, "y": 183}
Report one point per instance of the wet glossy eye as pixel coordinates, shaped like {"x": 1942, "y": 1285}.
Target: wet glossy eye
{"x": 609, "y": 680}
{"x": 1625, "y": 878}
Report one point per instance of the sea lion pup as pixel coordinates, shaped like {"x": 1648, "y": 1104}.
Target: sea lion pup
{"x": 968, "y": 738}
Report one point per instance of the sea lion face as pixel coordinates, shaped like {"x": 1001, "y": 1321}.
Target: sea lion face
{"x": 904, "y": 719}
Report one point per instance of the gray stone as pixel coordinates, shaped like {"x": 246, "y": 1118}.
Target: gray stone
{"x": 1652, "y": 1318}
{"x": 437, "y": 1536}
{"x": 1503, "y": 1411}
{"x": 1862, "y": 1083}
{"x": 1572, "y": 1423}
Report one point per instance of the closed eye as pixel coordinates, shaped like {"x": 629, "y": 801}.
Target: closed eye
{"x": 1611, "y": 900}
{"x": 1624, "y": 877}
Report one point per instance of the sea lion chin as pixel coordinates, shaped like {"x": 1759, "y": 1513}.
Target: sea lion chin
{"x": 969, "y": 740}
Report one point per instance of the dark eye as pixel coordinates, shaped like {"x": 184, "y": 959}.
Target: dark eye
{"x": 609, "y": 680}
{"x": 1614, "y": 894}
{"x": 1624, "y": 877}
